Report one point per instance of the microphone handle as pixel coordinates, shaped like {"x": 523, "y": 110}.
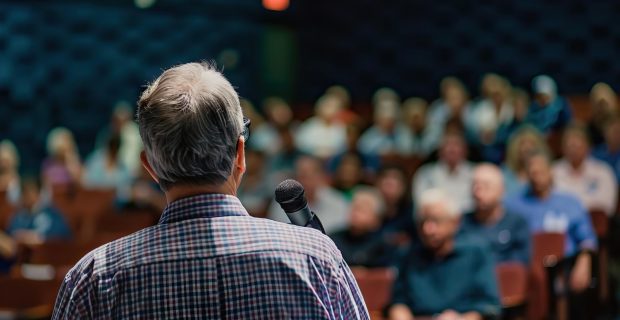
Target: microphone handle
{"x": 315, "y": 223}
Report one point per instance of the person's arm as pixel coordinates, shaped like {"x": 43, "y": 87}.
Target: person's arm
{"x": 584, "y": 237}
{"x": 486, "y": 302}
{"x": 8, "y": 247}
{"x": 77, "y": 295}
{"x": 399, "y": 308}
{"x": 400, "y": 312}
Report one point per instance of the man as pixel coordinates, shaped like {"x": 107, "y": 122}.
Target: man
{"x": 591, "y": 180}
{"x": 441, "y": 276}
{"x": 330, "y": 206}
{"x": 507, "y": 233}
{"x": 547, "y": 210}
{"x": 207, "y": 258}
{"x": 451, "y": 173}
{"x": 362, "y": 243}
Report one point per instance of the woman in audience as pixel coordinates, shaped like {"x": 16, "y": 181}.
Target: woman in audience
{"x": 604, "y": 105}
{"x": 63, "y": 166}
{"x": 387, "y": 136}
{"x": 398, "y": 222}
{"x": 264, "y": 135}
{"x": 524, "y": 141}
{"x": 105, "y": 170}
{"x": 349, "y": 174}
{"x": 549, "y": 112}
{"x": 9, "y": 175}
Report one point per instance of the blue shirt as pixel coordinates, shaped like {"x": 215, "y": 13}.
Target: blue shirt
{"x": 508, "y": 238}
{"x": 555, "y": 115}
{"x": 208, "y": 259}
{"x": 560, "y": 212}
{"x": 463, "y": 281}
{"x": 612, "y": 159}
{"x": 46, "y": 222}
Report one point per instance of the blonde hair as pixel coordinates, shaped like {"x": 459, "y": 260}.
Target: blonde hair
{"x": 512, "y": 149}
{"x": 56, "y": 137}
{"x": 8, "y": 147}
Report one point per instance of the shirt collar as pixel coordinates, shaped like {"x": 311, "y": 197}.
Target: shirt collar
{"x": 203, "y": 206}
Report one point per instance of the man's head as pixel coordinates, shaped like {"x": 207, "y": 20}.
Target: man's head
{"x": 366, "y": 210}
{"x": 487, "y": 187}
{"x": 539, "y": 175}
{"x": 545, "y": 90}
{"x": 575, "y": 145}
{"x": 453, "y": 149}
{"x": 191, "y": 123}
{"x": 437, "y": 218}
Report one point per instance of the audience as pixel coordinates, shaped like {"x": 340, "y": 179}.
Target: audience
{"x": 328, "y": 204}
{"x": 387, "y": 135}
{"x": 548, "y": 210}
{"x": 452, "y": 172}
{"x": 264, "y": 136}
{"x": 398, "y": 213}
{"x": 549, "y": 112}
{"x": 525, "y": 141}
{"x": 507, "y": 233}
{"x": 9, "y": 174}
{"x": 362, "y": 243}
{"x": 424, "y": 137}
{"x": 322, "y": 135}
{"x": 609, "y": 152}
{"x": 494, "y": 110}
{"x": 256, "y": 189}
{"x": 604, "y": 105}
{"x": 442, "y": 276}
{"x": 587, "y": 178}
{"x": 63, "y": 166}
{"x": 349, "y": 174}
{"x": 122, "y": 125}
{"x": 104, "y": 169}
{"x": 452, "y": 105}
{"x": 36, "y": 222}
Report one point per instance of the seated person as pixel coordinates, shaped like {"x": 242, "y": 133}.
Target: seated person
{"x": 591, "y": 180}
{"x": 548, "y": 210}
{"x": 33, "y": 222}
{"x": 507, "y": 233}
{"x": 328, "y": 204}
{"x": 442, "y": 276}
{"x": 362, "y": 243}
{"x": 549, "y": 111}
{"x": 609, "y": 152}
{"x": 452, "y": 172}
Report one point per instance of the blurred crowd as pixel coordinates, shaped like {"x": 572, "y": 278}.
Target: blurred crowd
{"x": 444, "y": 191}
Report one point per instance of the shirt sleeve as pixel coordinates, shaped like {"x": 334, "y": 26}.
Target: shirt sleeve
{"x": 581, "y": 230}
{"x": 76, "y": 297}
{"x": 351, "y": 303}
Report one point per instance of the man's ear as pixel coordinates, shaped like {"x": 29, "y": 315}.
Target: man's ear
{"x": 147, "y": 166}
{"x": 240, "y": 159}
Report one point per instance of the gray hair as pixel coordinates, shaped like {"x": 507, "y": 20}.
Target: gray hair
{"x": 438, "y": 196}
{"x": 190, "y": 121}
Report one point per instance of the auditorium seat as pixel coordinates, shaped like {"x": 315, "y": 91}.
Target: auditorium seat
{"x": 6, "y": 210}
{"x": 600, "y": 222}
{"x": 376, "y": 287}
{"x": 27, "y": 299}
{"x": 512, "y": 282}
{"x": 547, "y": 252}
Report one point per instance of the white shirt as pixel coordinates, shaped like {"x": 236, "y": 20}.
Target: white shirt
{"x": 456, "y": 184}
{"x": 320, "y": 139}
{"x": 594, "y": 183}
{"x": 330, "y": 206}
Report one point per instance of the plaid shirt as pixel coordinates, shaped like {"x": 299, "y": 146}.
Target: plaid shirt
{"x": 208, "y": 259}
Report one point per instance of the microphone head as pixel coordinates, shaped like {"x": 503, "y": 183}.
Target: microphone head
{"x": 290, "y": 195}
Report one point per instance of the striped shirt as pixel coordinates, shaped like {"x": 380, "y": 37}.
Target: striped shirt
{"x": 208, "y": 259}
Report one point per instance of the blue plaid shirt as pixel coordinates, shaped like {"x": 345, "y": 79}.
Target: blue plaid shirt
{"x": 208, "y": 259}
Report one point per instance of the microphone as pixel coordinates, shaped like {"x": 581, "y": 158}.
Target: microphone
{"x": 292, "y": 199}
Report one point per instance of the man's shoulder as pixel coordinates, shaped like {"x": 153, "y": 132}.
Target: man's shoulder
{"x": 213, "y": 238}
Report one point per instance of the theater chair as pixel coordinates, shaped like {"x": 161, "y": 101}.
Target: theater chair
{"x": 512, "y": 282}
{"x": 547, "y": 253}
{"x": 600, "y": 222}
{"x": 376, "y": 287}
{"x": 27, "y": 299}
